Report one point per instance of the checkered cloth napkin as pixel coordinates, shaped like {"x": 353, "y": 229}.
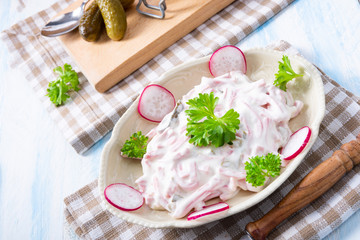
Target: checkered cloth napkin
{"x": 86, "y": 216}
{"x": 89, "y": 115}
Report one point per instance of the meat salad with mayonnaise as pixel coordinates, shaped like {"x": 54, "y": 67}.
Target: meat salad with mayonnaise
{"x": 179, "y": 176}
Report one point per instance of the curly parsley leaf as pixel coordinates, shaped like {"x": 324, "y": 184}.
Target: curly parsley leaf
{"x": 135, "y": 147}
{"x": 66, "y": 81}
{"x": 204, "y": 128}
{"x": 285, "y": 73}
{"x": 260, "y": 167}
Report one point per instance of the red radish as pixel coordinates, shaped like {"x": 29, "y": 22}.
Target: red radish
{"x": 123, "y": 197}
{"x": 296, "y": 143}
{"x": 155, "y": 102}
{"x": 208, "y": 210}
{"x": 226, "y": 59}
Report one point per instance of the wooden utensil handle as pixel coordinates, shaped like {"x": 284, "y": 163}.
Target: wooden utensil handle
{"x": 317, "y": 182}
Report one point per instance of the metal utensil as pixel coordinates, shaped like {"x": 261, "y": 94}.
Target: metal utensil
{"x": 161, "y": 8}
{"x": 64, "y": 23}
{"x": 316, "y": 183}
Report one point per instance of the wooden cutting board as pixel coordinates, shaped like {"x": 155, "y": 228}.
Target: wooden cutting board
{"x": 107, "y": 62}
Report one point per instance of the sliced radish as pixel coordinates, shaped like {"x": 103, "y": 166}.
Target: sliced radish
{"x": 155, "y": 102}
{"x": 226, "y": 59}
{"x": 208, "y": 210}
{"x": 296, "y": 143}
{"x": 123, "y": 197}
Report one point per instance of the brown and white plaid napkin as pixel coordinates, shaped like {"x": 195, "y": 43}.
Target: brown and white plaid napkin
{"x": 90, "y": 115}
{"x": 341, "y": 124}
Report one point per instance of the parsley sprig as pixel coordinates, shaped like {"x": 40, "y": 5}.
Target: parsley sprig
{"x": 260, "y": 167}
{"x": 135, "y": 147}
{"x": 66, "y": 81}
{"x": 204, "y": 127}
{"x": 285, "y": 73}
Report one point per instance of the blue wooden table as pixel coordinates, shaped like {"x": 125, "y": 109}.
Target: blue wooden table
{"x": 38, "y": 168}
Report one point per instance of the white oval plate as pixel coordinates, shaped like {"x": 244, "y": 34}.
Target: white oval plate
{"x": 262, "y": 63}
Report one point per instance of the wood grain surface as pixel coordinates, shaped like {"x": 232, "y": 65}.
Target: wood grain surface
{"x": 38, "y": 168}
{"x": 145, "y": 37}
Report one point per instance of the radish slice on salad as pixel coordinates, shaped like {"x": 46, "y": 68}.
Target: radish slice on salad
{"x": 155, "y": 102}
{"x": 296, "y": 143}
{"x": 226, "y": 59}
{"x": 208, "y": 210}
{"x": 123, "y": 197}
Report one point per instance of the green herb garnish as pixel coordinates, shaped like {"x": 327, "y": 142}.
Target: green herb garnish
{"x": 212, "y": 130}
{"x": 135, "y": 147}
{"x": 260, "y": 167}
{"x": 66, "y": 81}
{"x": 285, "y": 74}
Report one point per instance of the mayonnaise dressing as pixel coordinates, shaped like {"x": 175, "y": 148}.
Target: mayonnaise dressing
{"x": 179, "y": 177}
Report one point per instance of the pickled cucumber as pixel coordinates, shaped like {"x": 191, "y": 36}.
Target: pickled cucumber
{"x": 91, "y": 23}
{"x": 114, "y": 18}
{"x": 126, "y": 3}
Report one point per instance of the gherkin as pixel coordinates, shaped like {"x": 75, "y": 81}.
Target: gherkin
{"x": 114, "y": 17}
{"x": 91, "y": 23}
